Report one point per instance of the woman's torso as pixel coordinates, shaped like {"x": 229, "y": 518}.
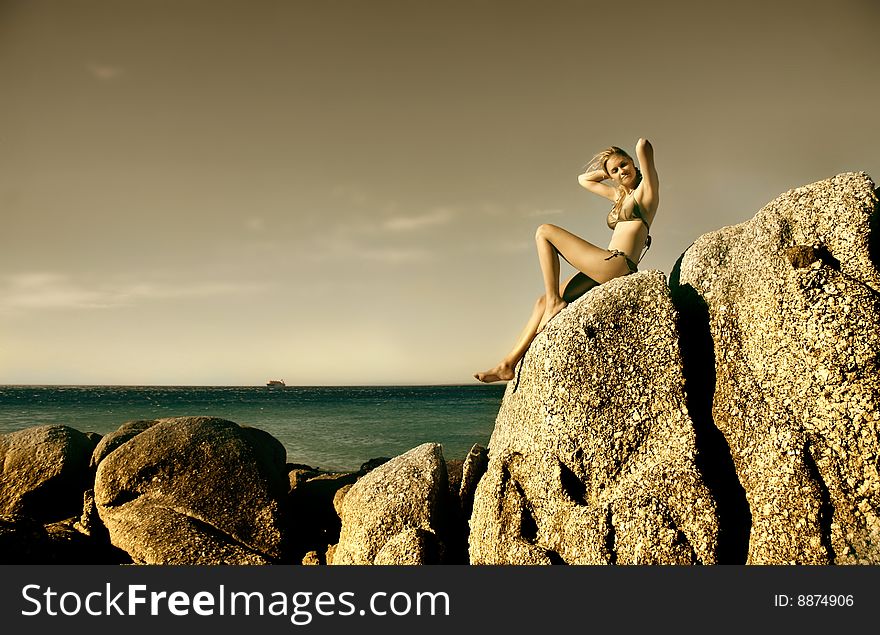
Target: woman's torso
{"x": 631, "y": 227}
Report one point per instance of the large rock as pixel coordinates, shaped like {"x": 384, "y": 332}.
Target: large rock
{"x": 592, "y": 459}
{"x": 397, "y": 513}
{"x": 789, "y": 306}
{"x": 195, "y": 490}
{"x": 44, "y": 471}
{"x": 120, "y": 436}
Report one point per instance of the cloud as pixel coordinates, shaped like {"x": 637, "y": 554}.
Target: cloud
{"x": 344, "y": 249}
{"x": 545, "y": 212}
{"x": 388, "y": 241}
{"x": 494, "y": 210}
{"x": 499, "y": 246}
{"x": 437, "y": 217}
{"x": 165, "y": 291}
{"x": 394, "y": 256}
{"x": 373, "y": 224}
{"x": 51, "y": 291}
{"x": 55, "y": 291}
{"x": 105, "y": 72}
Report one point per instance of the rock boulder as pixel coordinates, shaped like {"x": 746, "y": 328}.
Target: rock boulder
{"x": 593, "y": 455}
{"x": 788, "y": 307}
{"x": 397, "y": 513}
{"x": 195, "y": 490}
{"x": 44, "y": 471}
{"x": 121, "y": 435}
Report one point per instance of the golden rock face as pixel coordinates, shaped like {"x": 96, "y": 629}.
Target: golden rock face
{"x": 791, "y": 301}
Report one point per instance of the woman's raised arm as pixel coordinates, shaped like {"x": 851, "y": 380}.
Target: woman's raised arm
{"x": 592, "y": 181}
{"x": 650, "y": 181}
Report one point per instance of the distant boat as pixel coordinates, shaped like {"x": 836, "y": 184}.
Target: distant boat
{"x": 275, "y": 383}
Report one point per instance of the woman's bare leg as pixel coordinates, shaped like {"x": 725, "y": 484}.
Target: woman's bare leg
{"x": 595, "y": 268}
{"x": 548, "y": 256}
{"x": 504, "y": 370}
{"x": 573, "y": 288}
{"x": 553, "y": 241}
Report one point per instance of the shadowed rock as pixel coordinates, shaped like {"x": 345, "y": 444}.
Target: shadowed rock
{"x": 68, "y": 545}
{"x": 44, "y": 471}
{"x": 592, "y": 459}
{"x": 394, "y": 513}
{"x": 195, "y": 490}
{"x": 23, "y": 540}
{"x": 296, "y": 476}
{"x": 472, "y": 470}
{"x": 454, "y": 473}
{"x": 312, "y": 505}
{"x": 89, "y": 522}
{"x": 793, "y": 309}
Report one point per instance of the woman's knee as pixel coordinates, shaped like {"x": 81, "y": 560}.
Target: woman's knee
{"x": 541, "y": 302}
{"x": 544, "y": 231}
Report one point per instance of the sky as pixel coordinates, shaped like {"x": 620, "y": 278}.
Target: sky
{"x": 216, "y": 192}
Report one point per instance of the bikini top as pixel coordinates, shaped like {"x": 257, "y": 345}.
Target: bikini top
{"x": 635, "y": 213}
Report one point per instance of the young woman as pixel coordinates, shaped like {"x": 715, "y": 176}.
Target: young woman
{"x": 635, "y": 192}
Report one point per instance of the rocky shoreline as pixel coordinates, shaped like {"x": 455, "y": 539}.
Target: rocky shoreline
{"x": 728, "y": 415}
{"x": 203, "y": 490}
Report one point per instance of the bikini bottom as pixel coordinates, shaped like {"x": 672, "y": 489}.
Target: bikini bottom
{"x": 581, "y": 282}
{"x": 633, "y": 267}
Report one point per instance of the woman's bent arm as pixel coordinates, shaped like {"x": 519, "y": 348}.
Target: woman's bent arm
{"x": 592, "y": 181}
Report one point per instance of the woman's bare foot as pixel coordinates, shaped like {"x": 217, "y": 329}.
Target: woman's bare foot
{"x": 550, "y": 311}
{"x": 502, "y": 372}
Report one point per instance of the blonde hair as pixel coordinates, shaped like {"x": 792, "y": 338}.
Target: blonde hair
{"x": 599, "y": 161}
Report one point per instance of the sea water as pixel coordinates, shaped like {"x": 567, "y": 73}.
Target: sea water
{"x": 332, "y": 428}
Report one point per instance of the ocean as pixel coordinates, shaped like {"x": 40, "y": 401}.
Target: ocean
{"x": 331, "y": 428}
